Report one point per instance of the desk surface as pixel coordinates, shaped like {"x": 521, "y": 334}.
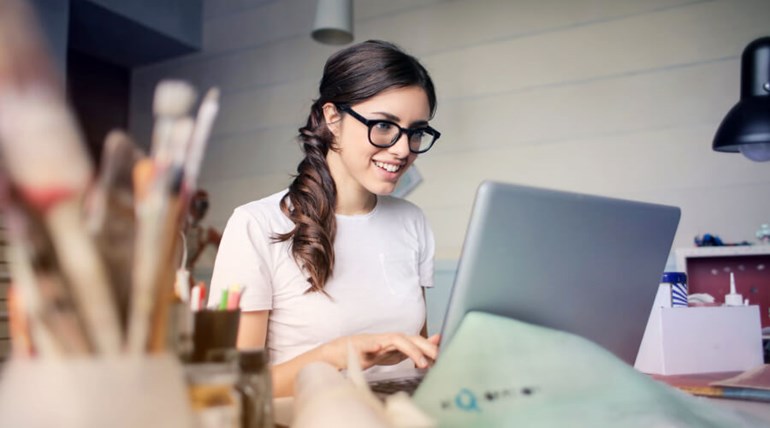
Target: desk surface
{"x": 283, "y": 406}
{"x": 758, "y": 409}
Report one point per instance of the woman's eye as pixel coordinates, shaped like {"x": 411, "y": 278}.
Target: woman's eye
{"x": 384, "y": 126}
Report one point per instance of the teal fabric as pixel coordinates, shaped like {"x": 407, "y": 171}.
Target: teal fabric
{"x": 501, "y": 372}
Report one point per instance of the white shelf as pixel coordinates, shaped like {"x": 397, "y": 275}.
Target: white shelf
{"x": 682, "y": 254}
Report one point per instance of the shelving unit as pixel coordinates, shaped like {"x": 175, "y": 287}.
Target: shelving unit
{"x": 708, "y": 271}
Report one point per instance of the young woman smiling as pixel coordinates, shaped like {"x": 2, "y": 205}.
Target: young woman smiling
{"x": 333, "y": 260}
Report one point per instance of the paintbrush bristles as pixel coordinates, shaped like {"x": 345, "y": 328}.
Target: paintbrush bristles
{"x": 212, "y": 95}
{"x": 173, "y": 98}
{"x": 207, "y": 112}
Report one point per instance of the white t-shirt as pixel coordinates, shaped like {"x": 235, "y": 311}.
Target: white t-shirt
{"x": 382, "y": 259}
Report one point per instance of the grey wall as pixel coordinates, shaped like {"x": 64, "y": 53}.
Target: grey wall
{"x": 612, "y": 97}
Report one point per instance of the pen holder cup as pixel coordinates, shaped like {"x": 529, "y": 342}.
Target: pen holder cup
{"x": 214, "y": 335}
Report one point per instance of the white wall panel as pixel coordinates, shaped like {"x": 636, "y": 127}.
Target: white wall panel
{"x": 226, "y": 195}
{"x": 656, "y": 166}
{"x": 272, "y": 21}
{"x": 641, "y": 42}
{"x": 269, "y": 151}
{"x": 455, "y": 25}
{"x": 627, "y": 103}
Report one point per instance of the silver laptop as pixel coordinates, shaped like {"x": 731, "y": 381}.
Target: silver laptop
{"x": 583, "y": 264}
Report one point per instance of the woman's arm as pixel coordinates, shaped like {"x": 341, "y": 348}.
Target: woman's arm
{"x": 389, "y": 348}
{"x": 252, "y": 330}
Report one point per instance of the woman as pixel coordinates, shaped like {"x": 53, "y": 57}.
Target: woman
{"x": 333, "y": 260}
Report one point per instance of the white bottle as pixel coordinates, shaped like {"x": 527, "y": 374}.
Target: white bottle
{"x": 733, "y": 298}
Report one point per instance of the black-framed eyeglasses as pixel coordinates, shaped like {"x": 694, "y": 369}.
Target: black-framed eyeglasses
{"x": 385, "y": 133}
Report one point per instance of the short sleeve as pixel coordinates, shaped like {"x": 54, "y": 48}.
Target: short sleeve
{"x": 427, "y": 252}
{"x": 243, "y": 259}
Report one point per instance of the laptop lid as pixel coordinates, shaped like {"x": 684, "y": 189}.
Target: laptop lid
{"x": 583, "y": 264}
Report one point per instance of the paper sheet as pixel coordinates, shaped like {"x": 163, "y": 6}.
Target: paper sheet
{"x": 502, "y": 372}
{"x": 756, "y": 378}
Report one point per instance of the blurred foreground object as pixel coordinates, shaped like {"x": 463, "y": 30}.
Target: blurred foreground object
{"x": 119, "y": 392}
{"x": 197, "y": 236}
{"x": 90, "y": 255}
{"x": 326, "y": 398}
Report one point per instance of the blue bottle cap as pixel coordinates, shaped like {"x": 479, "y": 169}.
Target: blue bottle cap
{"x": 674, "y": 277}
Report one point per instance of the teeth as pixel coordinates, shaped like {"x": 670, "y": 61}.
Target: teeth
{"x": 387, "y": 166}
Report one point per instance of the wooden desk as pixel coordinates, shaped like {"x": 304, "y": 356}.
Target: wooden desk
{"x": 698, "y": 384}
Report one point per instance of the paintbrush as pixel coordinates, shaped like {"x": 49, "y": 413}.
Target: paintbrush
{"x": 48, "y": 165}
{"x": 155, "y": 182}
{"x": 186, "y": 167}
{"x": 110, "y": 215}
{"x": 151, "y": 207}
{"x": 164, "y": 285}
{"x": 172, "y": 101}
{"x": 48, "y": 310}
{"x": 207, "y": 113}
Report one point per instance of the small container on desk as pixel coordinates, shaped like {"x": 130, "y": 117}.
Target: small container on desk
{"x": 228, "y": 387}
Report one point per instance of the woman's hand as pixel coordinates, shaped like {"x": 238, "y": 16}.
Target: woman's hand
{"x": 382, "y": 349}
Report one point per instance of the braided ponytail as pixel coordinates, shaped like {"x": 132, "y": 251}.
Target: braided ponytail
{"x": 310, "y": 203}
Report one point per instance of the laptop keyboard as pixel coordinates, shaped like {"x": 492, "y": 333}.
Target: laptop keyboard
{"x": 391, "y": 386}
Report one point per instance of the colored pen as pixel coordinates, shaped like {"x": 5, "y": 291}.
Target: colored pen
{"x": 223, "y": 300}
{"x": 233, "y": 297}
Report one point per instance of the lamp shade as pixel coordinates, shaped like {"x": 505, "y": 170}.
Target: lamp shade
{"x": 333, "y": 22}
{"x": 746, "y": 128}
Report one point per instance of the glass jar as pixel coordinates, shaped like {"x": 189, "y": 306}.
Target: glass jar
{"x": 678, "y": 283}
{"x": 255, "y": 386}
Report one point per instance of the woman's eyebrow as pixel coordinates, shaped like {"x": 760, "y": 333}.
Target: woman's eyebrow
{"x": 396, "y": 119}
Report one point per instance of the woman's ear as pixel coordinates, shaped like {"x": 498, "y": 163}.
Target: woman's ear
{"x": 332, "y": 118}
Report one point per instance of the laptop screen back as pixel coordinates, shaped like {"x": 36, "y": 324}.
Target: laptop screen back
{"x": 587, "y": 265}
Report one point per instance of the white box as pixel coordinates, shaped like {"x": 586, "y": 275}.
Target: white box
{"x": 701, "y": 340}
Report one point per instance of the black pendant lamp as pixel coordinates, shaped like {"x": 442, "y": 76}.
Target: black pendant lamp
{"x": 746, "y": 128}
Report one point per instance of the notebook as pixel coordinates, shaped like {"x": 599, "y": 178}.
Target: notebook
{"x": 588, "y": 265}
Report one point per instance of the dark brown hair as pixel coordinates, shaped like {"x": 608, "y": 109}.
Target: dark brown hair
{"x": 351, "y": 76}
